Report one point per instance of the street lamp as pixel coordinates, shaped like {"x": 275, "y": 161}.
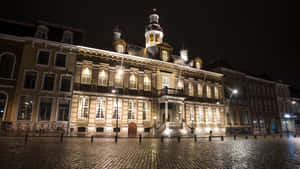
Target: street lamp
{"x": 117, "y": 111}
{"x": 233, "y": 92}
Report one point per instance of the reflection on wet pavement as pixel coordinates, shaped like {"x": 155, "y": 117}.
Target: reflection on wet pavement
{"x": 151, "y": 153}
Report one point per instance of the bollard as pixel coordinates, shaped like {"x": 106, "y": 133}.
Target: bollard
{"x": 195, "y": 138}
{"x": 162, "y": 139}
{"x": 26, "y": 138}
{"x": 116, "y": 139}
{"x": 61, "y": 137}
{"x": 140, "y": 138}
{"x": 280, "y": 135}
{"x": 92, "y": 139}
{"x": 209, "y": 138}
{"x": 222, "y": 138}
{"x": 246, "y": 137}
{"x": 178, "y": 139}
{"x": 254, "y": 136}
{"x": 234, "y": 137}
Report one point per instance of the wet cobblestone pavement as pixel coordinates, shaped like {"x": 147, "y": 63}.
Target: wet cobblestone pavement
{"x": 78, "y": 153}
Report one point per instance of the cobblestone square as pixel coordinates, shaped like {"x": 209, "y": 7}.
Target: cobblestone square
{"x": 128, "y": 153}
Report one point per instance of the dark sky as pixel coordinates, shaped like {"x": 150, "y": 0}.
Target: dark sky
{"x": 255, "y": 36}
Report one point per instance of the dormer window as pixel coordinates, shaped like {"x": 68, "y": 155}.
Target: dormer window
{"x": 42, "y": 32}
{"x": 120, "y": 48}
{"x": 164, "y": 55}
{"x": 67, "y": 37}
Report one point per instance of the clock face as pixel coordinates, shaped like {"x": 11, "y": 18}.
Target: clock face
{"x": 164, "y": 56}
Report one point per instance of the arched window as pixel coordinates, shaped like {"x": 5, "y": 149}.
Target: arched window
{"x": 3, "y": 101}
{"x": 208, "y": 91}
{"x": 7, "y": 64}
{"x": 132, "y": 81}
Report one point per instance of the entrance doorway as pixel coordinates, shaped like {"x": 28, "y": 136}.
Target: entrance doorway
{"x": 132, "y": 130}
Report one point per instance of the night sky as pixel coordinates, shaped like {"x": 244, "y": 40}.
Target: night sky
{"x": 255, "y": 36}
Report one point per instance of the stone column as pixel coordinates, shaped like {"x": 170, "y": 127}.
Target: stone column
{"x": 166, "y": 110}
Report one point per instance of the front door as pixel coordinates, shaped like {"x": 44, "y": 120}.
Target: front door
{"x": 132, "y": 130}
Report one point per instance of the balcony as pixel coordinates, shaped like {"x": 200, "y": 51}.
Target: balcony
{"x": 170, "y": 92}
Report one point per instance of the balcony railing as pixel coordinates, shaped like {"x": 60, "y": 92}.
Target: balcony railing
{"x": 170, "y": 91}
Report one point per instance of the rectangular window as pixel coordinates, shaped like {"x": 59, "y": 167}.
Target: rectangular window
{"x": 86, "y": 75}
{"x": 30, "y": 79}
{"x": 100, "y": 109}
{"x": 147, "y": 83}
{"x": 191, "y": 89}
{"x": 48, "y": 83}
{"x": 102, "y": 81}
{"x": 218, "y": 117}
{"x": 132, "y": 82}
{"x": 83, "y": 108}
{"x": 99, "y": 129}
{"x": 145, "y": 108}
{"x": 246, "y": 118}
{"x": 209, "y": 114}
{"x": 65, "y": 84}
{"x": 165, "y": 81}
{"x": 43, "y": 57}
{"x": 200, "y": 89}
{"x": 131, "y": 111}
{"x": 191, "y": 113}
{"x": 208, "y": 91}
{"x": 201, "y": 114}
{"x": 60, "y": 60}
{"x": 63, "y": 110}
{"x": 45, "y": 109}
{"x": 216, "y": 92}
{"x": 25, "y": 108}
{"x": 117, "y": 108}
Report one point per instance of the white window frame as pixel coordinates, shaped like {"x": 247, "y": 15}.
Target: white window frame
{"x": 201, "y": 113}
{"x": 208, "y": 91}
{"x": 101, "y": 100}
{"x": 66, "y": 61}
{"x": 24, "y": 77}
{"x": 199, "y": 89}
{"x": 192, "y": 115}
{"x": 191, "y": 89}
{"x": 43, "y": 81}
{"x": 81, "y": 108}
{"x": 165, "y": 81}
{"x": 120, "y": 102}
{"x": 38, "y": 108}
{"x": 38, "y": 54}
{"x": 101, "y": 81}
{"x": 71, "y": 84}
{"x": 14, "y": 64}
{"x": 57, "y": 108}
{"x": 131, "y": 77}
{"x": 209, "y": 115}
{"x": 216, "y": 92}
{"x": 19, "y": 101}
{"x": 132, "y": 109}
{"x": 145, "y": 83}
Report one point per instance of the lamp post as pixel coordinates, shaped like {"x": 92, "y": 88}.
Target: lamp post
{"x": 233, "y": 92}
{"x": 192, "y": 125}
{"x": 154, "y": 118}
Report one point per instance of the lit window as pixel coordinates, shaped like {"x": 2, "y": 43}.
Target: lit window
{"x": 216, "y": 92}
{"x": 83, "y": 108}
{"x": 63, "y": 110}
{"x": 147, "y": 83}
{"x": 65, "y": 84}
{"x": 117, "y": 108}
{"x": 132, "y": 81}
{"x": 145, "y": 110}
{"x": 198, "y": 65}
{"x": 86, "y": 75}
{"x": 201, "y": 114}
{"x": 191, "y": 89}
{"x": 30, "y": 80}
{"x": 200, "y": 89}
{"x": 218, "y": 117}
{"x": 208, "y": 91}
{"x": 102, "y": 78}
{"x": 60, "y": 60}
{"x": 43, "y": 57}
{"x": 157, "y": 37}
{"x": 191, "y": 113}
{"x": 45, "y": 109}
{"x": 48, "y": 82}
{"x": 209, "y": 114}
{"x": 180, "y": 84}
{"x": 25, "y": 108}
{"x": 120, "y": 48}
{"x": 131, "y": 110}
{"x": 119, "y": 78}
{"x": 7, "y": 61}
{"x": 151, "y": 37}
{"x": 164, "y": 55}
{"x": 165, "y": 81}
{"x": 100, "y": 109}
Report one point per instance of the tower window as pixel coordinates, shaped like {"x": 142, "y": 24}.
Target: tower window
{"x": 164, "y": 55}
